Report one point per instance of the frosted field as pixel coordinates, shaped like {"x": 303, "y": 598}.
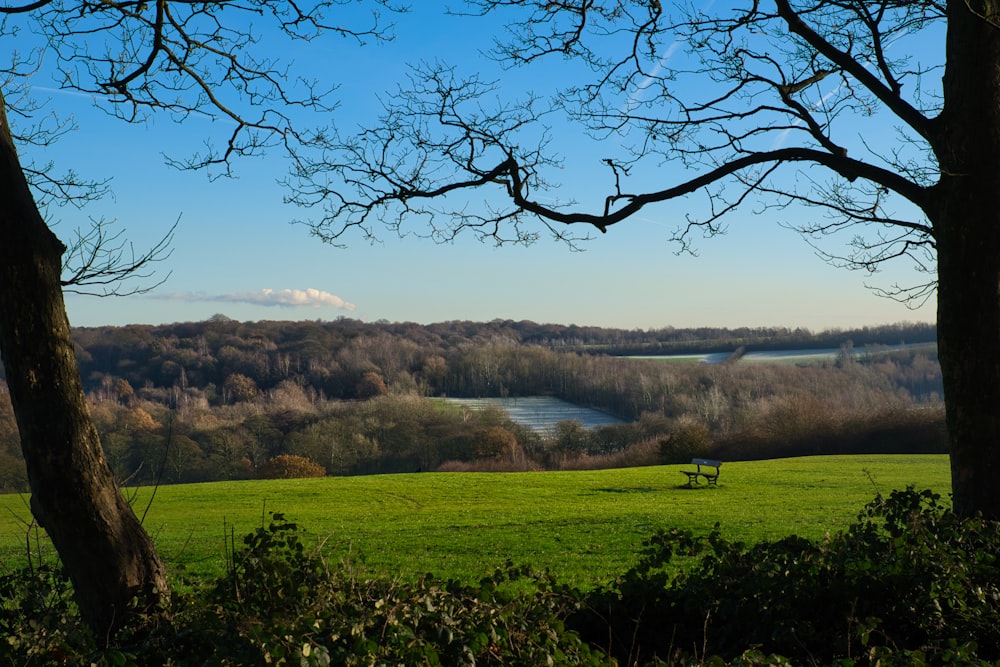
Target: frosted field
{"x": 541, "y": 413}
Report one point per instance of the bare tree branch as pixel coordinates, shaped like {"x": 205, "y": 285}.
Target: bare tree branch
{"x": 139, "y": 57}
{"x": 730, "y": 105}
{"x": 191, "y": 58}
{"x": 889, "y": 93}
{"x": 31, "y": 6}
{"x": 100, "y": 262}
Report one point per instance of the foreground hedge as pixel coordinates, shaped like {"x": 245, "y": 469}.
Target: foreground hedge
{"x": 908, "y": 583}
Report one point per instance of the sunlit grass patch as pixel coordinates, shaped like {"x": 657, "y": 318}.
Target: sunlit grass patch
{"x": 584, "y": 526}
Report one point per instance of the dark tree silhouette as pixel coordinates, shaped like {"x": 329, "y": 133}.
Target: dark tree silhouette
{"x": 138, "y": 59}
{"x": 779, "y": 104}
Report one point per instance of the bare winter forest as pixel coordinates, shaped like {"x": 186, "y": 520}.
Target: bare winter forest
{"x": 222, "y": 399}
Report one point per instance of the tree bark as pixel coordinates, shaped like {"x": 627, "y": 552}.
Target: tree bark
{"x": 966, "y": 219}
{"x": 109, "y": 557}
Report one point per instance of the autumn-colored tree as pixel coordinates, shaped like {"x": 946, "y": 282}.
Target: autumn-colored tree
{"x": 370, "y": 385}
{"x": 138, "y": 419}
{"x": 496, "y": 442}
{"x": 290, "y": 466}
{"x": 122, "y": 391}
{"x": 238, "y": 388}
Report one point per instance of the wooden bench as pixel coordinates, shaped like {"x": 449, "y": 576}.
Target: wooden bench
{"x": 711, "y": 477}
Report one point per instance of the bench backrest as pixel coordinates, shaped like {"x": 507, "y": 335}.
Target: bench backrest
{"x": 706, "y": 462}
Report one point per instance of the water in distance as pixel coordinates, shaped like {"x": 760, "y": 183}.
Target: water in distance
{"x": 542, "y": 413}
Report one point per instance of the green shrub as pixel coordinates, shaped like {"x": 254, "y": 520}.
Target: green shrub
{"x": 39, "y": 622}
{"x": 280, "y": 603}
{"x": 287, "y": 603}
{"x": 908, "y": 579}
{"x": 908, "y": 583}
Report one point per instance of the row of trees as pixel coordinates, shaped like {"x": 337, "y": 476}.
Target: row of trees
{"x": 199, "y": 431}
{"x": 232, "y": 361}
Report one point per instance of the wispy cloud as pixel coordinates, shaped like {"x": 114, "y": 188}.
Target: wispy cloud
{"x": 284, "y": 298}
{"x": 637, "y": 96}
{"x": 66, "y": 92}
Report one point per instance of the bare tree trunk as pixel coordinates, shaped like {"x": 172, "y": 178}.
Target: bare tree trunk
{"x": 109, "y": 557}
{"x": 969, "y": 350}
{"x": 967, "y": 230}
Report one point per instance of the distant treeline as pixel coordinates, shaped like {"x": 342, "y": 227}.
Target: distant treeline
{"x": 203, "y": 353}
{"x": 759, "y": 339}
{"x": 220, "y": 399}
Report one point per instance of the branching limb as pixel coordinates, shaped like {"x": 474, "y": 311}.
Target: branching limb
{"x": 193, "y": 58}
{"x": 185, "y": 58}
{"x": 888, "y": 93}
{"x": 730, "y": 105}
{"x": 100, "y": 262}
{"x": 404, "y": 162}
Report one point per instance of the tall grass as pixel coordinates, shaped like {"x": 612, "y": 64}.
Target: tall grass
{"x": 584, "y": 526}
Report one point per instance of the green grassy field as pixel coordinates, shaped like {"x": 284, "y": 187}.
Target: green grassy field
{"x": 584, "y": 526}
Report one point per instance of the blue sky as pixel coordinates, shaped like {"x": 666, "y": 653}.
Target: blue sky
{"x": 235, "y": 251}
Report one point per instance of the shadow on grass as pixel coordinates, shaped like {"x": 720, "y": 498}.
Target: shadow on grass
{"x": 639, "y": 489}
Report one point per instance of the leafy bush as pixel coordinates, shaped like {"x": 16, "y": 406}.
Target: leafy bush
{"x": 38, "y": 618}
{"x": 287, "y": 603}
{"x": 280, "y": 603}
{"x": 908, "y": 581}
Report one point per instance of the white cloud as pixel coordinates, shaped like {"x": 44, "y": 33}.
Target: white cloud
{"x": 284, "y": 298}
